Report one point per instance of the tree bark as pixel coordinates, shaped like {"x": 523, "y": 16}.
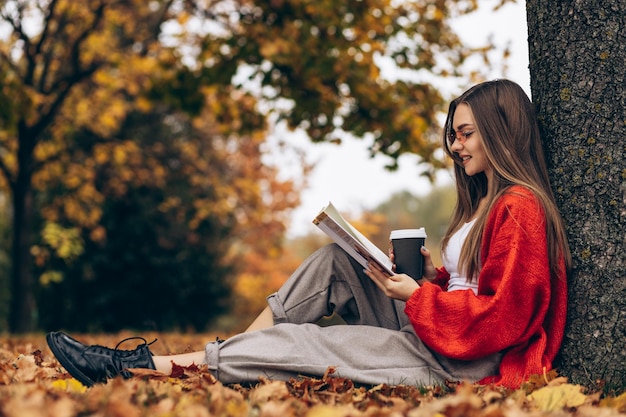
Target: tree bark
{"x": 577, "y": 57}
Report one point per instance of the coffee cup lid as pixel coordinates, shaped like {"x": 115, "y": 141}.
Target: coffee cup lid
{"x": 408, "y": 233}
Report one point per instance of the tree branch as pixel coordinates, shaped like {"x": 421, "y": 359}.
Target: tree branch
{"x": 46, "y": 28}
{"x": 68, "y": 80}
{"x": 44, "y": 35}
{"x": 61, "y": 88}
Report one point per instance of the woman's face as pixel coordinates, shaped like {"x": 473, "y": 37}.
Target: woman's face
{"x": 468, "y": 143}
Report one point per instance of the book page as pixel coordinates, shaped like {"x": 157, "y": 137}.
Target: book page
{"x": 331, "y": 222}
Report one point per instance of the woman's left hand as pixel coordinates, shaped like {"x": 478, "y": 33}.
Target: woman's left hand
{"x": 398, "y": 286}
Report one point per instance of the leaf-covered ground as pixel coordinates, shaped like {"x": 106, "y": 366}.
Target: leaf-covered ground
{"x": 32, "y": 383}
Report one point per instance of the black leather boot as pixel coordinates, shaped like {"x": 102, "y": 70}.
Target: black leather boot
{"x": 94, "y": 364}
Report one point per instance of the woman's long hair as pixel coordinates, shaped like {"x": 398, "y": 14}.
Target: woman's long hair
{"x": 507, "y": 123}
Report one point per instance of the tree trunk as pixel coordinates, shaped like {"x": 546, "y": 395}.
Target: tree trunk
{"x": 23, "y": 311}
{"x": 577, "y": 66}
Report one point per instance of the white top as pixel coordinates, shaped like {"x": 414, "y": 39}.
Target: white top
{"x": 451, "y": 255}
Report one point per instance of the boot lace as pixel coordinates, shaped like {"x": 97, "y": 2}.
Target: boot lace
{"x": 145, "y": 342}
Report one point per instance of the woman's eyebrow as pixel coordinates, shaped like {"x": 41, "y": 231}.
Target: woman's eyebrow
{"x": 463, "y": 126}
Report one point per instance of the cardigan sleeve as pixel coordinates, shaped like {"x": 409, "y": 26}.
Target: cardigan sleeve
{"x": 513, "y": 288}
{"x": 442, "y": 279}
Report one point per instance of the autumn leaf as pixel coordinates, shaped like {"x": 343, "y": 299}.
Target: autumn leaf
{"x": 270, "y": 391}
{"x": 70, "y": 385}
{"x": 552, "y": 398}
{"x": 618, "y": 403}
{"x": 323, "y": 410}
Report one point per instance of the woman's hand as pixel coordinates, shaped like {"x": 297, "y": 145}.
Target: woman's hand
{"x": 398, "y": 286}
{"x": 430, "y": 273}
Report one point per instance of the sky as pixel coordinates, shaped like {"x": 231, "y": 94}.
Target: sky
{"x": 354, "y": 182}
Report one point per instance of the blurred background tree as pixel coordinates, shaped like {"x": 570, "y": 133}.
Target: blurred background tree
{"x": 131, "y": 139}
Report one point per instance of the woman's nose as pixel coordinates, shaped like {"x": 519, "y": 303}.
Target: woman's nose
{"x": 456, "y": 146}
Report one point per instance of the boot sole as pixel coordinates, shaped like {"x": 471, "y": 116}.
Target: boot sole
{"x": 66, "y": 363}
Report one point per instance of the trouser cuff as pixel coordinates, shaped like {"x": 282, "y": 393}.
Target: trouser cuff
{"x": 212, "y": 357}
{"x": 278, "y": 311}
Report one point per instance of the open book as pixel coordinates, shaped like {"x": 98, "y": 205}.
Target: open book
{"x": 330, "y": 221}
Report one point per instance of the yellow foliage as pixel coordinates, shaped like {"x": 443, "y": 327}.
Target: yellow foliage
{"x": 88, "y": 192}
{"x": 170, "y": 203}
{"x": 10, "y": 161}
{"x": 119, "y": 155}
{"x": 72, "y": 181}
{"x": 143, "y": 104}
{"x": 66, "y": 242}
{"x": 45, "y": 150}
{"x": 50, "y": 276}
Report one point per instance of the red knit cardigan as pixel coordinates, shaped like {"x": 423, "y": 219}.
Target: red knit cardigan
{"x": 519, "y": 310}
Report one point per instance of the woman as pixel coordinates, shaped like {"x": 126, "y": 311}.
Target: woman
{"x": 494, "y": 313}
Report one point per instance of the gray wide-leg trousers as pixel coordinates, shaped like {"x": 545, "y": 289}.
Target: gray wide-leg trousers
{"x": 377, "y": 345}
